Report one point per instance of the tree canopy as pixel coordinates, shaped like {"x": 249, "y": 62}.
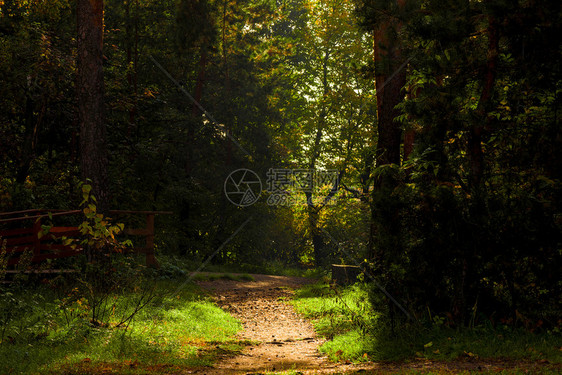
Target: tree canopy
{"x": 439, "y": 118}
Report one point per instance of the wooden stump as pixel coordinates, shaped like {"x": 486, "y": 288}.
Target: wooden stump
{"x": 343, "y": 274}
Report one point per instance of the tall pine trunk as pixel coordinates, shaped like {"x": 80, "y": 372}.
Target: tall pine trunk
{"x": 90, "y": 91}
{"x": 384, "y": 239}
{"x": 389, "y": 83}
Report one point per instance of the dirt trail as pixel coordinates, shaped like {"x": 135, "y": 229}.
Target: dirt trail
{"x": 286, "y": 341}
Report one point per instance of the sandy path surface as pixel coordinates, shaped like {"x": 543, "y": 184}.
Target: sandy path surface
{"x": 284, "y": 340}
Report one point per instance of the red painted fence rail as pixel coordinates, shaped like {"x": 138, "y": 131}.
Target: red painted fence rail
{"x": 25, "y": 233}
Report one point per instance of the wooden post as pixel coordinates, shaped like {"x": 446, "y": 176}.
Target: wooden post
{"x": 150, "y": 258}
{"x": 36, "y": 239}
{"x": 345, "y": 275}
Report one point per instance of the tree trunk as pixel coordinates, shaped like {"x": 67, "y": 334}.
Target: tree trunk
{"x": 90, "y": 91}
{"x": 476, "y": 132}
{"x": 364, "y": 177}
{"x": 195, "y": 111}
{"x": 409, "y": 138}
{"x": 131, "y": 23}
{"x": 476, "y": 155}
{"x": 389, "y": 94}
{"x": 312, "y": 210}
{"x": 389, "y": 84}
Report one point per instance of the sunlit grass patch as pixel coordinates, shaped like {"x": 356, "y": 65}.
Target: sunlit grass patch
{"x": 350, "y": 345}
{"x": 178, "y": 329}
{"x": 341, "y": 315}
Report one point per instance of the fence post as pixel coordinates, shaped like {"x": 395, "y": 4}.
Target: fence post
{"x": 36, "y": 239}
{"x": 150, "y": 258}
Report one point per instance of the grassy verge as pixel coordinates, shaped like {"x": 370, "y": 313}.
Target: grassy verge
{"x": 177, "y": 329}
{"x": 357, "y": 333}
{"x": 174, "y": 264}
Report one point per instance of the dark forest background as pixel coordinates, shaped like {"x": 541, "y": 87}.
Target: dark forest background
{"x": 441, "y": 118}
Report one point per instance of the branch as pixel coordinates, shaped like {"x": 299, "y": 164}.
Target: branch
{"x": 335, "y": 188}
{"x": 356, "y": 193}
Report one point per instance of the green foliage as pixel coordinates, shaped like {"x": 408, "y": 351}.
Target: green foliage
{"x": 14, "y": 318}
{"x": 109, "y": 272}
{"x": 173, "y": 330}
{"x": 98, "y": 231}
{"x": 474, "y": 237}
{"x": 258, "y": 66}
{"x": 36, "y": 83}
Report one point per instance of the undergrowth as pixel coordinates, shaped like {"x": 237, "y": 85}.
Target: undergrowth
{"x": 177, "y": 328}
{"x": 356, "y": 331}
{"x": 184, "y": 266}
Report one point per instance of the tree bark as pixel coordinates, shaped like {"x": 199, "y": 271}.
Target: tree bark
{"x": 389, "y": 83}
{"x": 388, "y": 94}
{"x": 476, "y": 132}
{"x": 409, "y": 138}
{"x": 195, "y": 111}
{"x": 90, "y": 92}
{"x": 132, "y": 32}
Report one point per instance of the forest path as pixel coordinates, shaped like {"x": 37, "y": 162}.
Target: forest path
{"x": 284, "y": 340}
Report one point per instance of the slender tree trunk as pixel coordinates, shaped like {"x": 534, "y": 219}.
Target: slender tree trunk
{"x": 476, "y": 132}
{"x": 368, "y": 159}
{"x": 189, "y": 164}
{"x": 32, "y": 124}
{"x": 90, "y": 91}
{"x": 476, "y": 157}
{"x": 132, "y": 60}
{"x": 200, "y": 80}
{"x": 228, "y": 144}
{"x": 312, "y": 210}
{"x": 410, "y": 133}
{"x": 195, "y": 111}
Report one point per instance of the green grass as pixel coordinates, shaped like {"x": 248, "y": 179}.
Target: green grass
{"x": 341, "y": 317}
{"x": 174, "y": 331}
{"x": 356, "y": 332}
{"x": 179, "y": 266}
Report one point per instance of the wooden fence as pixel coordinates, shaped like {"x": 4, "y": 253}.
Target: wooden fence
{"x": 23, "y": 231}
